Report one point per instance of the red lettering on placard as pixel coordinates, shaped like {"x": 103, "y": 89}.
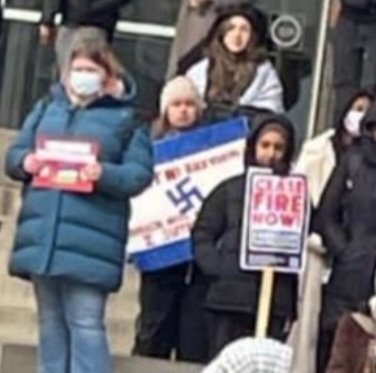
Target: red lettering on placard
{"x": 258, "y": 218}
{"x": 273, "y": 219}
{"x": 297, "y": 204}
{"x": 288, "y": 220}
{"x": 172, "y": 173}
{"x": 196, "y": 166}
{"x": 281, "y": 202}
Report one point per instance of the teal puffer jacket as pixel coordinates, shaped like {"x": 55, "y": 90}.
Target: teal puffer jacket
{"x": 80, "y": 237}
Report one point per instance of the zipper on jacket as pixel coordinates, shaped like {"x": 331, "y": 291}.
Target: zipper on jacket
{"x": 72, "y": 114}
{"x": 189, "y": 274}
{"x": 73, "y": 111}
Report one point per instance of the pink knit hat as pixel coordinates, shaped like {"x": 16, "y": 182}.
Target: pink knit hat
{"x": 179, "y": 87}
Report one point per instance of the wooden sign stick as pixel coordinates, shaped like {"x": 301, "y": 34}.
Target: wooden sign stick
{"x": 264, "y": 303}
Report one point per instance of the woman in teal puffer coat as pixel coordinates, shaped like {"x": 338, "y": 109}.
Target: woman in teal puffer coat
{"x": 71, "y": 244}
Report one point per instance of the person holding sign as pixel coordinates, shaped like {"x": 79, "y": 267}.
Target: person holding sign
{"x": 180, "y": 108}
{"x": 233, "y": 294}
{"x": 347, "y": 221}
{"x": 69, "y": 242}
{"x": 171, "y": 318}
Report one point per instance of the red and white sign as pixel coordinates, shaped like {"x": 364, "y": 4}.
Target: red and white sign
{"x": 63, "y": 161}
{"x": 275, "y": 224}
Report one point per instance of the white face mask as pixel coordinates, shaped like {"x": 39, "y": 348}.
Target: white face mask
{"x": 352, "y": 122}
{"x": 86, "y": 83}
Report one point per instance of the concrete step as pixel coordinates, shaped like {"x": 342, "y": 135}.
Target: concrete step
{"x": 20, "y": 326}
{"x": 22, "y": 359}
{"x": 6, "y": 137}
{"x": 18, "y": 316}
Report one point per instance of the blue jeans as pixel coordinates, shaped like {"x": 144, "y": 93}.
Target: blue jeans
{"x": 72, "y": 336}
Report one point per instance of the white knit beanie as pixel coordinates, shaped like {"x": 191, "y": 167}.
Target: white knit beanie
{"x": 179, "y": 87}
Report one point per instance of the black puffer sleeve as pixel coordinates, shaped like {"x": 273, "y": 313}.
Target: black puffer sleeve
{"x": 331, "y": 210}
{"x": 209, "y": 227}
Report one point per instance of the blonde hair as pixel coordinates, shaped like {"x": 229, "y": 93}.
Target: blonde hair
{"x": 100, "y": 53}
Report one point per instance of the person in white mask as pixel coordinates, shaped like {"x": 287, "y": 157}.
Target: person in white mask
{"x": 320, "y": 154}
{"x": 70, "y": 242}
{"x": 85, "y": 79}
{"x": 317, "y": 160}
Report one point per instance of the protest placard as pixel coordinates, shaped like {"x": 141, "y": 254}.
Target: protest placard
{"x": 63, "y": 160}
{"x": 275, "y": 224}
{"x": 274, "y": 231}
{"x": 188, "y": 167}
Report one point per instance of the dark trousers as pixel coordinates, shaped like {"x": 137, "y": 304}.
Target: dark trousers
{"x": 324, "y": 348}
{"x": 354, "y": 47}
{"x": 226, "y": 327}
{"x": 333, "y": 307}
{"x": 172, "y": 318}
{"x": 193, "y": 342}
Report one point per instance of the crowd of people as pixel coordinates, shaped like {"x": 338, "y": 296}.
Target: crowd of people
{"x": 71, "y": 245}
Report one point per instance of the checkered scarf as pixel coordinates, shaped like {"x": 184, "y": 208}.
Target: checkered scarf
{"x": 251, "y": 355}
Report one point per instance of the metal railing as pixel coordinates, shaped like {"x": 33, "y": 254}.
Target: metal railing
{"x": 130, "y": 27}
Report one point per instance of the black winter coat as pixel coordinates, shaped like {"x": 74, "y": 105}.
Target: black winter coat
{"x": 360, "y": 11}
{"x": 348, "y": 226}
{"x": 216, "y": 238}
{"x": 99, "y": 13}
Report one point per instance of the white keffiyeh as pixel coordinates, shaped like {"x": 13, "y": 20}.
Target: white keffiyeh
{"x": 252, "y": 355}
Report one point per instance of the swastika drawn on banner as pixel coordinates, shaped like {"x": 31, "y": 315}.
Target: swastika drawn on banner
{"x": 184, "y": 195}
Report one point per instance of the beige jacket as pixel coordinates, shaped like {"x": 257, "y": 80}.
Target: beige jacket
{"x": 317, "y": 161}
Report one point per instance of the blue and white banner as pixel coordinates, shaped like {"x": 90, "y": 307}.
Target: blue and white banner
{"x": 188, "y": 167}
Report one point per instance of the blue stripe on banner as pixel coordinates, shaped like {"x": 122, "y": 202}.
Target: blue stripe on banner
{"x": 164, "y": 256}
{"x": 201, "y": 139}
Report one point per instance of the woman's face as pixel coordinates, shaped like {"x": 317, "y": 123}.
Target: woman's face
{"x": 238, "y": 34}
{"x": 86, "y": 78}
{"x": 353, "y": 118}
{"x": 182, "y": 113}
{"x": 270, "y": 148}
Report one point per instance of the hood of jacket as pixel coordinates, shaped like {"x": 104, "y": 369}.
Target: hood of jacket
{"x": 255, "y": 16}
{"x": 368, "y": 122}
{"x": 367, "y": 140}
{"x": 260, "y": 122}
{"x": 339, "y": 123}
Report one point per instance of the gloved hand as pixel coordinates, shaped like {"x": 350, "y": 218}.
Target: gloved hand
{"x": 315, "y": 244}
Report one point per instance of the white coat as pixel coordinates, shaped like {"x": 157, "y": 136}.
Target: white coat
{"x": 317, "y": 161}
{"x": 264, "y": 92}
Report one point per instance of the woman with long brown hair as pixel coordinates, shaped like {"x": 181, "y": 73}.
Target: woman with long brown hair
{"x": 236, "y": 71}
